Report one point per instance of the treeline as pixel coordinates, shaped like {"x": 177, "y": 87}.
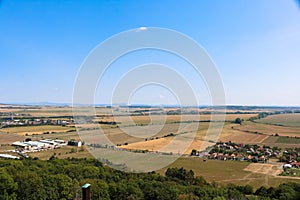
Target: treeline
{"x": 61, "y": 179}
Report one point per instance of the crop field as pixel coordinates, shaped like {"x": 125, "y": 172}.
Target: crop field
{"x": 159, "y": 119}
{"x": 182, "y": 138}
{"x": 240, "y": 173}
{"x": 55, "y": 111}
{"x": 7, "y": 138}
{"x": 269, "y": 129}
{"x": 282, "y": 120}
{"x": 63, "y": 152}
{"x": 169, "y": 134}
{"x": 282, "y": 143}
{"x": 46, "y": 112}
{"x": 29, "y": 130}
{"x": 156, "y": 135}
{"x": 170, "y": 144}
{"x": 57, "y": 135}
{"x": 245, "y": 138}
{"x": 199, "y": 140}
{"x": 288, "y": 140}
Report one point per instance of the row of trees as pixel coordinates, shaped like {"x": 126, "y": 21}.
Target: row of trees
{"x": 61, "y": 179}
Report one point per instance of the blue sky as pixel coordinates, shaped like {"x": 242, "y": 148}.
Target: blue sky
{"x": 254, "y": 44}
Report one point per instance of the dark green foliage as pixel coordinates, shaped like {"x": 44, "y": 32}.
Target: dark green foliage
{"x": 285, "y": 191}
{"x": 62, "y": 179}
{"x": 7, "y": 185}
{"x": 238, "y": 120}
{"x": 180, "y": 174}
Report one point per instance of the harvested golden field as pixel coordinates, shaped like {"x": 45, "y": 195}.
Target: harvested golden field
{"x": 182, "y": 144}
{"x": 269, "y": 129}
{"x": 8, "y": 138}
{"x": 159, "y": 119}
{"x": 57, "y": 111}
{"x": 57, "y": 135}
{"x": 129, "y": 134}
{"x": 46, "y": 111}
{"x": 231, "y": 133}
{"x": 245, "y": 138}
{"x": 199, "y": 141}
{"x": 29, "y": 130}
{"x": 186, "y": 137}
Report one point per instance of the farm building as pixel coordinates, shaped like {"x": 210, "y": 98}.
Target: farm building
{"x": 285, "y": 166}
{"x": 61, "y": 142}
{"x": 295, "y": 164}
{"x": 7, "y": 156}
{"x": 35, "y": 145}
{"x": 38, "y": 145}
{"x": 75, "y": 143}
{"x": 22, "y": 145}
{"x": 52, "y": 143}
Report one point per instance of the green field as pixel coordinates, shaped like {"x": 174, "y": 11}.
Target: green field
{"x": 291, "y": 172}
{"x": 269, "y": 129}
{"x": 225, "y": 172}
{"x": 288, "y": 140}
{"x": 225, "y": 169}
{"x": 282, "y": 120}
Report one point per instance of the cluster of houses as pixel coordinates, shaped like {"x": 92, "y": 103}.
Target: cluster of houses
{"x": 292, "y": 158}
{"x": 293, "y": 164}
{"x": 241, "y": 152}
{"x": 291, "y": 168}
{"x": 290, "y": 155}
{"x": 7, "y": 122}
{"x": 11, "y": 114}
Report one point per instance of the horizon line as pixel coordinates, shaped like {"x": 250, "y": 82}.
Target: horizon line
{"x": 140, "y": 105}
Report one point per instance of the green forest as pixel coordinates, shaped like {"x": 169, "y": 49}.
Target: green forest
{"x": 62, "y": 179}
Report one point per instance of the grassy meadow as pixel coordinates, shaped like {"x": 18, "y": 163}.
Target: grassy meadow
{"x": 240, "y": 173}
{"x": 291, "y": 120}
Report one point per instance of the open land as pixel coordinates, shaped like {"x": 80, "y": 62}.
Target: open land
{"x": 30, "y": 130}
{"x": 282, "y": 120}
{"x": 150, "y": 129}
{"x": 240, "y": 173}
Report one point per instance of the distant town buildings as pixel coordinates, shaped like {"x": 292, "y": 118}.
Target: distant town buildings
{"x": 8, "y": 122}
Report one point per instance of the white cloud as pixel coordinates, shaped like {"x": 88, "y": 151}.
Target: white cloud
{"x": 142, "y": 28}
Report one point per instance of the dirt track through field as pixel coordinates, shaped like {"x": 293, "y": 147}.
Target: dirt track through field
{"x": 266, "y": 171}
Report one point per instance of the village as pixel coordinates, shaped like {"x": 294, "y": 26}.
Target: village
{"x": 11, "y": 121}
{"x": 251, "y": 152}
{"x": 254, "y": 153}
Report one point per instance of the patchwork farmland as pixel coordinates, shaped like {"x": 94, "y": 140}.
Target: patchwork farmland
{"x": 151, "y": 130}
